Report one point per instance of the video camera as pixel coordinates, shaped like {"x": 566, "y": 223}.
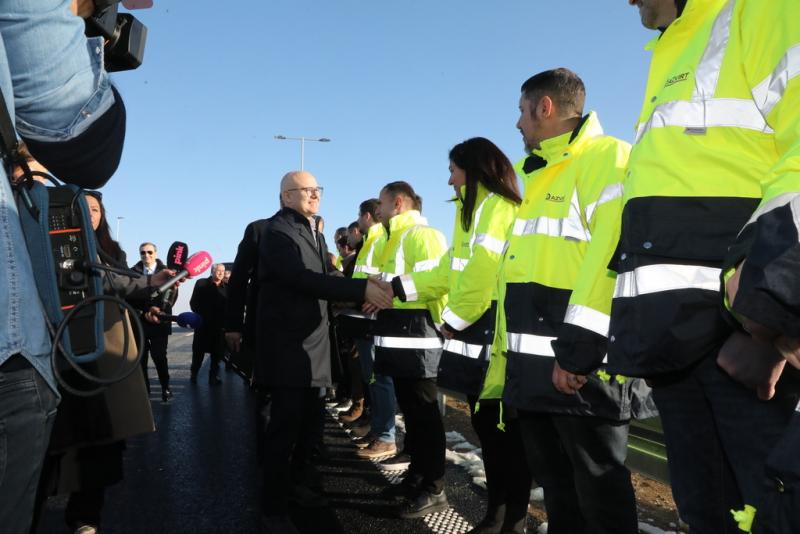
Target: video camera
{"x": 124, "y": 35}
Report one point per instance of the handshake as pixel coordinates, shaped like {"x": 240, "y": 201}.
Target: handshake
{"x": 377, "y": 296}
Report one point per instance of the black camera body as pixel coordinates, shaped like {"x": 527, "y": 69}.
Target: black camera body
{"x": 124, "y": 35}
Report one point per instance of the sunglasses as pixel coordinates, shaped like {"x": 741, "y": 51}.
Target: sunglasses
{"x": 148, "y": 252}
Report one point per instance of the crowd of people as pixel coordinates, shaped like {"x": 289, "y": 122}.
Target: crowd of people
{"x": 619, "y": 281}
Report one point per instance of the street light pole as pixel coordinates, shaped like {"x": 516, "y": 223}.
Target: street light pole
{"x": 118, "y": 220}
{"x": 302, "y": 145}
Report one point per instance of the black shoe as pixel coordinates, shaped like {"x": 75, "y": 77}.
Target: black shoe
{"x": 277, "y": 524}
{"x": 166, "y": 395}
{"x": 423, "y": 504}
{"x": 406, "y": 489}
{"x": 305, "y": 497}
{"x": 214, "y": 381}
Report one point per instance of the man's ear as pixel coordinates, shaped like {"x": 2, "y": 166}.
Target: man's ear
{"x": 545, "y": 107}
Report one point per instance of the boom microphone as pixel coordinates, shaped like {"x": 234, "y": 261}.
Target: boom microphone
{"x": 190, "y": 319}
{"x": 177, "y": 255}
{"x": 195, "y": 265}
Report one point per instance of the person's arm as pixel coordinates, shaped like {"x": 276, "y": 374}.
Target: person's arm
{"x": 582, "y": 339}
{"x": 281, "y": 261}
{"x": 472, "y": 295}
{"x": 66, "y": 110}
{"x": 768, "y": 293}
{"x": 241, "y": 272}
{"x": 424, "y": 285}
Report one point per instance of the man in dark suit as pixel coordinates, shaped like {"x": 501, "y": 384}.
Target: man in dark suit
{"x": 294, "y": 360}
{"x": 208, "y": 301}
{"x": 156, "y": 336}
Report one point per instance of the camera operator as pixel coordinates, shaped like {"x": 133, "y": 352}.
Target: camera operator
{"x": 60, "y": 98}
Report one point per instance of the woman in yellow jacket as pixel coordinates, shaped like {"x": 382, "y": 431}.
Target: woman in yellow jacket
{"x": 486, "y": 202}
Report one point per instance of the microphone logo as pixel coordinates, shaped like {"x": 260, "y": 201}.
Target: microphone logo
{"x": 201, "y": 266}
{"x": 179, "y": 255}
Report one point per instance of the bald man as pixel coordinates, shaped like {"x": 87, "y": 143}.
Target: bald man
{"x": 293, "y": 345}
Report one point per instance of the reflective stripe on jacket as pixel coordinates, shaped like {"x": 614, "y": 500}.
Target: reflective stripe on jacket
{"x": 718, "y": 129}
{"x": 407, "y": 343}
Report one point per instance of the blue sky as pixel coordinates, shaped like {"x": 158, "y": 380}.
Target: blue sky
{"x": 394, "y": 85}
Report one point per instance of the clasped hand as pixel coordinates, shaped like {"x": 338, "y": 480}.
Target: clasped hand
{"x": 377, "y": 296}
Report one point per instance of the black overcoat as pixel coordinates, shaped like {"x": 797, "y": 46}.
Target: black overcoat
{"x": 293, "y": 341}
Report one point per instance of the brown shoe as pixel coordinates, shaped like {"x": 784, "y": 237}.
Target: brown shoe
{"x": 360, "y": 431}
{"x": 364, "y": 442}
{"x": 353, "y": 413}
{"x": 377, "y": 449}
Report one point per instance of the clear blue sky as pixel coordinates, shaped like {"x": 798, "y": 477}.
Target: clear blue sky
{"x": 394, "y": 85}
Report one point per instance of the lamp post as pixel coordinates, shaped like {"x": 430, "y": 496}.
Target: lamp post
{"x": 302, "y": 144}
{"x": 118, "y": 220}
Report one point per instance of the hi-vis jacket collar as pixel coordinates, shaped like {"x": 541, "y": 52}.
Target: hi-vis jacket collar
{"x": 559, "y": 148}
{"x": 407, "y": 219}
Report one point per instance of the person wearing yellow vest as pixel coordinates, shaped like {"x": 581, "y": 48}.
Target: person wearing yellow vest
{"x": 408, "y": 346}
{"x": 380, "y": 441}
{"x": 562, "y": 238}
{"x": 717, "y": 133}
{"x": 486, "y": 202}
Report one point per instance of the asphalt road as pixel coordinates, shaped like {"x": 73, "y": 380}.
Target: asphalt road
{"x": 197, "y": 473}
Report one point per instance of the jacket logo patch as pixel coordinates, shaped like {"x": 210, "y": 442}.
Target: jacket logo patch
{"x": 677, "y": 79}
{"x": 554, "y": 198}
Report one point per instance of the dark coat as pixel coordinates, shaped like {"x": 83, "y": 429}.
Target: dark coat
{"x": 165, "y": 302}
{"x": 240, "y": 311}
{"x": 208, "y": 301}
{"x": 293, "y": 325}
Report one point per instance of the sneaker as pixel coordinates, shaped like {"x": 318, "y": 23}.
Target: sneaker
{"x": 423, "y": 504}
{"x": 277, "y": 524}
{"x": 398, "y": 462}
{"x": 86, "y": 529}
{"x": 378, "y": 449}
{"x": 360, "y": 431}
{"x": 343, "y": 406}
{"x": 364, "y": 441}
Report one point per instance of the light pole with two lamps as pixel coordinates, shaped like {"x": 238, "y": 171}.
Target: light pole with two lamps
{"x": 302, "y": 144}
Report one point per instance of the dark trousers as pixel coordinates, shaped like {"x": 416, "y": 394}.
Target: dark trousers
{"x": 156, "y": 346}
{"x": 85, "y": 507}
{"x": 288, "y": 440}
{"x": 508, "y": 480}
{"x": 425, "y": 441}
{"x": 718, "y": 436}
{"x": 580, "y": 463}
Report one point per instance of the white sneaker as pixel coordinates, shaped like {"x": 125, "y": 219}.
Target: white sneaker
{"x": 86, "y": 529}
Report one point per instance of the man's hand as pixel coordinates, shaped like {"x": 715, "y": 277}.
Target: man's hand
{"x": 566, "y": 382}
{"x": 446, "y": 332}
{"x": 162, "y": 277}
{"x": 234, "y": 341}
{"x": 378, "y": 294}
{"x": 758, "y": 331}
{"x": 752, "y": 363}
{"x": 789, "y": 348}
{"x": 151, "y": 315}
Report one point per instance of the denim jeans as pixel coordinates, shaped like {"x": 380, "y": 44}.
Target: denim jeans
{"x": 55, "y": 87}
{"x": 27, "y": 412}
{"x": 718, "y": 436}
{"x": 381, "y": 392}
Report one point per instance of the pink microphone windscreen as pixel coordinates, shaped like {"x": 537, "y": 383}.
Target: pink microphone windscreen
{"x": 198, "y": 263}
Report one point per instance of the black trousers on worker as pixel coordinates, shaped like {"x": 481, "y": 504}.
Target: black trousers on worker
{"x": 289, "y": 438}
{"x": 508, "y": 480}
{"x": 580, "y": 463}
{"x": 425, "y": 440}
{"x": 156, "y": 347}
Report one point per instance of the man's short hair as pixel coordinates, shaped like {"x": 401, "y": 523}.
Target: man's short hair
{"x": 369, "y": 206}
{"x": 340, "y": 232}
{"x": 405, "y": 189}
{"x": 352, "y": 225}
{"x": 562, "y": 85}
{"x": 155, "y": 248}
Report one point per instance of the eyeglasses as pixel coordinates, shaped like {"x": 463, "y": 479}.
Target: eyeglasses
{"x": 309, "y": 190}
{"x": 146, "y": 252}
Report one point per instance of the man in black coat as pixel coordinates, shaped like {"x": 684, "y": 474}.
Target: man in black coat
{"x": 208, "y": 301}
{"x": 294, "y": 360}
{"x": 156, "y": 336}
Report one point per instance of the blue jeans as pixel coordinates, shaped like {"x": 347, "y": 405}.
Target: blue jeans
{"x": 55, "y": 87}
{"x": 718, "y": 436}
{"x": 381, "y": 392}
{"x": 27, "y": 412}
